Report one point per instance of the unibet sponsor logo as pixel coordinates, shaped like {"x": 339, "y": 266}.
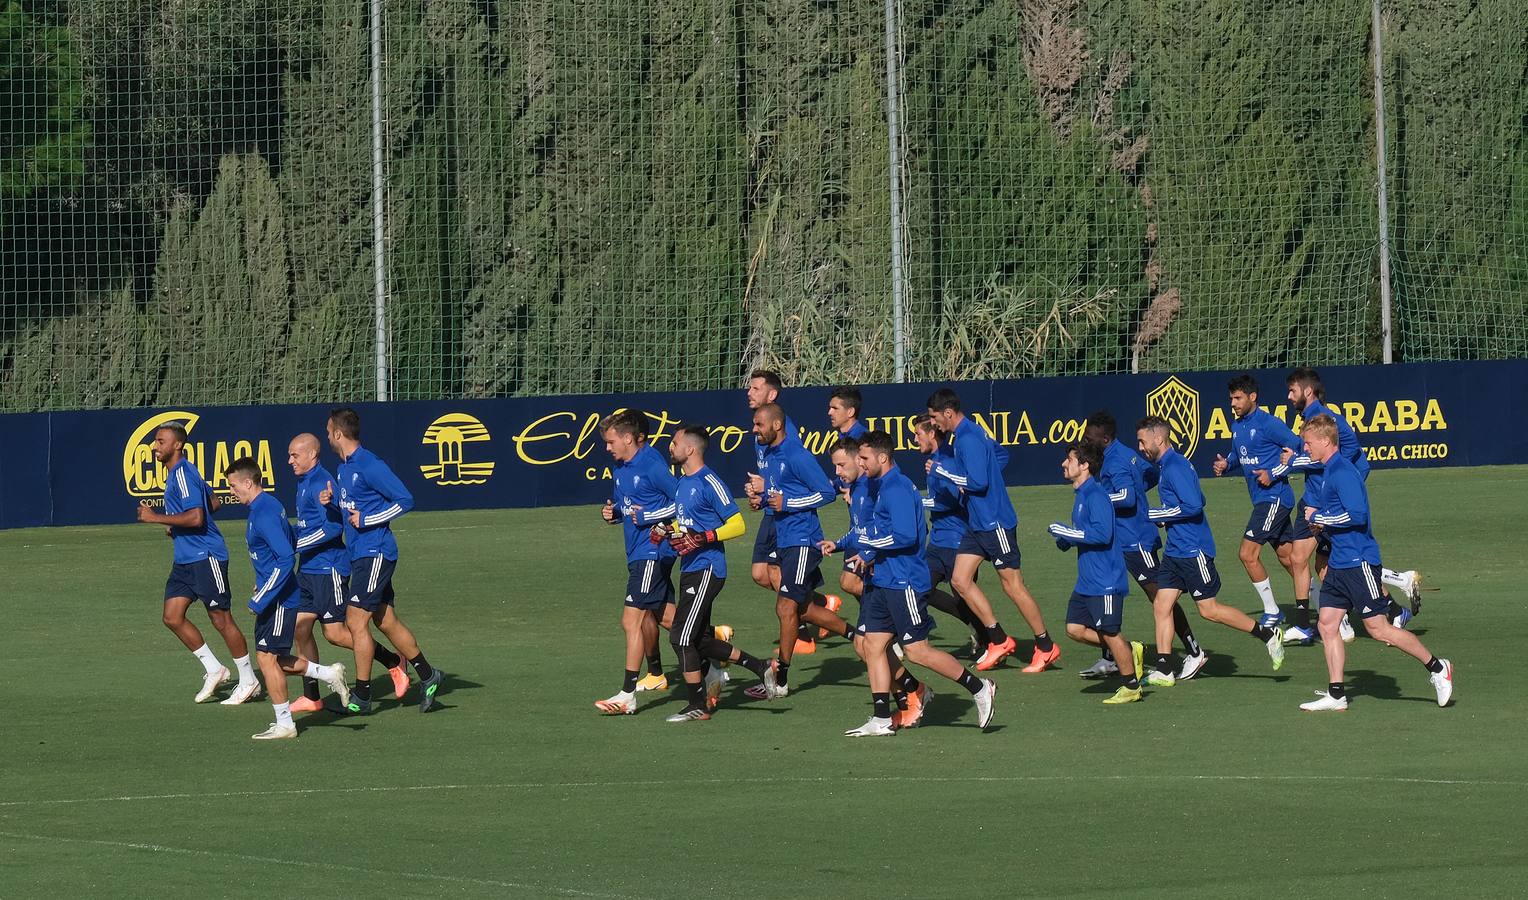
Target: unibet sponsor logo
{"x": 1177, "y": 403}
{"x": 143, "y": 476}
{"x": 450, "y": 434}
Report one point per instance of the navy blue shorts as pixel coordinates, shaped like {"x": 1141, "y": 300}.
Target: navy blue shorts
{"x": 899, "y": 612}
{"x": 205, "y": 580}
{"x": 800, "y": 574}
{"x": 371, "y": 582}
{"x": 1269, "y": 524}
{"x": 274, "y": 629}
{"x": 764, "y": 550}
{"x": 1300, "y": 530}
{"x": 1195, "y": 576}
{"x": 1103, "y": 614}
{"x": 999, "y": 547}
{"x": 1143, "y": 565}
{"x": 323, "y": 594}
{"x": 650, "y": 583}
{"x": 941, "y": 563}
{"x": 1357, "y": 588}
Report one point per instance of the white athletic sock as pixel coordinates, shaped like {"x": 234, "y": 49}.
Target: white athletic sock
{"x": 318, "y": 672}
{"x": 1393, "y": 578}
{"x": 283, "y": 714}
{"x": 1265, "y": 593}
{"x": 208, "y": 659}
{"x": 246, "y": 672}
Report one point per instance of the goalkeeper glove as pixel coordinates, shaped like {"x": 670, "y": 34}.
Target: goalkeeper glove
{"x": 690, "y": 541}
{"x": 657, "y": 534}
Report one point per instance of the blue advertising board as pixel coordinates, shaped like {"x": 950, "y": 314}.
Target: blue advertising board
{"x": 72, "y": 468}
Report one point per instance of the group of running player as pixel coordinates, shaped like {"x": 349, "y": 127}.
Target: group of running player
{"x": 334, "y": 568}
{"x": 902, "y": 545}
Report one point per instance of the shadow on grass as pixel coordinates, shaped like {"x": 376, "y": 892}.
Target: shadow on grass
{"x": 1368, "y": 683}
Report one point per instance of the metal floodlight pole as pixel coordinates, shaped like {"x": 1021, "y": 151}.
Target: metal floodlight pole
{"x": 894, "y": 159}
{"x": 378, "y": 200}
{"x": 1383, "y": 192}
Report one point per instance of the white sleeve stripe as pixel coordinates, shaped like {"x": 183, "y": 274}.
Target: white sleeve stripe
{"x": 721, "y": 489}
{"x": 877, "y": 542}
{"x": 928, "y": 502}
{"x": 180, "y": 477}
{"x": 1120, "y": 495}
{"x": 1069, "y": 532}
{"x": 661, "y": 513}
{"x": 311, "y": 537}
{"x": 958, "y": 479}
{"x": 389, "y": 513}
{"x": 808, "y": 500}
{"x": 269, "y": 583}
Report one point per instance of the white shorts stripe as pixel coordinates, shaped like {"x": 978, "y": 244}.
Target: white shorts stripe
{"x": 687, "y": 634}
{"x": 1369, "y": 578}
{"x": 376, "y": 573}
{"x": 1204, "y": 568}
{"x": 339, "y": 594}
{"x": 912, "y": 606}
{"x": 1273, "y": 511}
{"x": 1002, "y": 540}
{"x": 217, "y": 575}
{"x": 647, "y": 577}
{"x": 801, "y": 567}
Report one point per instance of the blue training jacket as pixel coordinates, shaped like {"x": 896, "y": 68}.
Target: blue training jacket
{"x": 1258, "y": 440}
{"x": 1100, "y": 556}
{"x": 320, "y": 528}
{"x": 1127, "y": 476}
{"x": 274, "y": 554}
{"x": 365, "y": 483}
{"x": 1182, "y": 509}
{"x": 185, "y": 490}
{"x": 1343, "y": 510}
{"x": 703, "y": 503}
{"x": 791, "y": 470}
{"x": 644, "y": 488}
{"x": 976, "y": 467}
{"x": 894, "y": 541}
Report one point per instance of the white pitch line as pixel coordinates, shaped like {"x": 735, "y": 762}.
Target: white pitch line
{"x": 952, "y": 779}
{"x": 424, "y": 876}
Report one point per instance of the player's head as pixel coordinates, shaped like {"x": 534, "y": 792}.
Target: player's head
{"x": 1083, "y": 460}
{"x": 763, "y": 387}
{"x": 169, "y": 441}
{"x": 944, "y": 409}
{"x": 1100, "y": 428}
{"x": 843, "y": 406}
{"x": 845, "y": 457}
{"x": 1304, "y": 387}
{"x": 1320, "y": 435}
{"x": 1153, "y": 437}
{"x": 243, "y": 479}
{"x": 875, "y": 451}
{"x": 624, "y": 432}
{"x": 769, "y": 424}
{"x": 689, "y": 443}
{"x": 302, "y": 453}
{"x": 926, "y": 433}
{"x": 344, "y": 429}
{"x": 1242, "y": 391}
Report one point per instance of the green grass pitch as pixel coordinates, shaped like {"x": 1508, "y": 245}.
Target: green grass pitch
{"x": 114, "y": 783}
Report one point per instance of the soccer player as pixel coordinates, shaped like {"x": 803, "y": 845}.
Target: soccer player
{"x": 975, "y": 465}
{"x": 644, "y": 497}
{"x": 795, "y": 487}
{"x": 372, "y": 497}
{"x": 1341, "y": 511}
{"x": 1095, "y": 613}
{"x": 323, "y": 574}
{"x": 275, "y": 599}
{"x": 1307, "y": 394}
{"x": 1188, "y": 562}
{"x": 200, "y": 566}
{"x": 894, "y": 607}
{"x": 844, "y": 412}
{"x": 947, "y": 528}
{"x": 704, "y": 516}
{"x": 1258, "y": 441}
{"x": 1127, "y": 477}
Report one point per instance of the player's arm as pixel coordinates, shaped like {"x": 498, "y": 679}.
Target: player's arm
{"x": 1281, "y": 434}
{"x": 269, "y": 529}
{"x": 191, "y": 518}
{"x": 1181, "y": 497}
{"x": 719, "y": 501}
{"x": 657, "y": 502}
{"x": 384, "y": 482}
{"x": 897, "y": 528}
{"x": 1346, "y": 508}
{"x": 968, "y": 469}
{"x": 1120, "y": 486}
{"x": 330, "y": 525}
{"x": 816, "y": 491}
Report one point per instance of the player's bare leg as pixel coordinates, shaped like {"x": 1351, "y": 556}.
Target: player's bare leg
{"x": 276, "y": 668}
{"x": 175, "y": 619}
{"x": 307, "y": 648}
{"x": 963, "y": 580}
{"x": 790, "y": 620}
{"x": 430, "y": 678}
{"x": 822, "y": 618}
{"x": 636, "y": 623}
{"x": 1162, "y": 605}
{"x": 1251, "y": 554}
{"x": 1300, "y": 553}
{"x": 1013, "y": 586}
{"x": 358, "y": 623}
{"x": 223, "y": 621}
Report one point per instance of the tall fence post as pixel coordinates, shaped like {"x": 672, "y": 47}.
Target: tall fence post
{"x": 894, "y": 160}
{"x": 378, "y": 201}
{"x": 1383, "y": 192}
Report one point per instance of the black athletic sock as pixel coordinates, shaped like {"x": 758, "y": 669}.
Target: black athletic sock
{"x": 655, "y": 662}
{"x": 751, "y": 663}
{"x": 1133, "y": 682}
{"x": 1164, "y": 663}
{"x": 629, "y": 681}
{"x": 1043, "y": 642}
{"x": 386, "y": 658}
{"x": 1302, "y": 613}
{"x": 696, "y": 693}
{"x": 1185, "y": 631}
{"x": 362, "y": 689}
{"x": 310, "y": 687}
{"x": 422, "y": 667}
{"x": 1103, "y": 653}
{"x": 782, "y": 673}
{"x": 806, "y": 632}
{"x": 882, "y": 704}
{"x": 900, "y": 698}
{"x": 996, "y": 634}
{"x": 1435, "y": 665}
{"x": 1261, "y": 632}
{"x": 1335, "y": 691}
{"x": 1393, "y": 610}
{"x": 969, "y": 682}
{"x": 907, "y": 682}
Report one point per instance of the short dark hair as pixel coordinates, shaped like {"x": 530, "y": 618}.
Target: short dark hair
{"x": 1307, "y": 377}
{"x": 772, "y": 411}
{"x": 1103, "y": 420}
{"x": 244, "y": 466}
{"x": 770, "y": 376}
{"x": 347, "y": 421}
{"x": 850, "y": 396}
{"x": 631, "y": 422}
{"x": 847, "y": 444}
{"x": 1155, "y": 423}
{"x": 696, "y": 431}
{"x": 174, "y": 428}
{"x": 1244, "y": 383}
{"x": 1087, "y": 453}
{"x": 878, "y": 442}
{"x": 944, "y": 399}
{"x": 924, "y": 422}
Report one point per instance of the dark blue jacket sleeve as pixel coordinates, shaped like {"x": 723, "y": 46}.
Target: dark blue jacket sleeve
{"x": 1346, "y": 506}
{"x": 384, "y": 482}
{"x": 1181, "y": 496}
{"x": 818, "y": 489}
